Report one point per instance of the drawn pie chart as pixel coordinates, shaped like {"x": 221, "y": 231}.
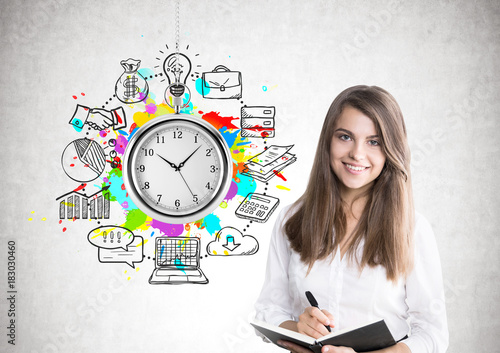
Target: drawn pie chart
{"x": 83, "y": 160}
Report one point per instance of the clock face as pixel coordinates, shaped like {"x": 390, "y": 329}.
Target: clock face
{"x": 177, "y": 168}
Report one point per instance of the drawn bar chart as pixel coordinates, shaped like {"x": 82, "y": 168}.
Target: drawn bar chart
{"x": 75, "y": 205}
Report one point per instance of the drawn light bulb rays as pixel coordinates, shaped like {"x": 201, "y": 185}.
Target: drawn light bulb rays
{"x": 185, "y": 67}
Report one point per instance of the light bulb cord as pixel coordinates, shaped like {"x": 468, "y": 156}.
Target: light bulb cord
{"x": 177, "y": 30}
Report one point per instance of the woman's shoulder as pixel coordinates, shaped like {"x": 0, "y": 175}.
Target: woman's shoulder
{"x": 424, "y": 235}
{"x": 286, "y": 212}
{"x": 422, "y": 225}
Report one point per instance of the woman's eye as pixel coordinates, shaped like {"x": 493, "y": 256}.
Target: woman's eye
{"x": 373, "y": 143}
{"x": 345, "y": 137}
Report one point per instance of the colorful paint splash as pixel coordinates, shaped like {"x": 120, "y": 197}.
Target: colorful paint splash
{"x": 138, "y": 114}
{"x": 241, "y": 151}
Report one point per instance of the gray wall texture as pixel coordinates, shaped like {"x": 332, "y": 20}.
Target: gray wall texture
{"x": 440, "y": 59}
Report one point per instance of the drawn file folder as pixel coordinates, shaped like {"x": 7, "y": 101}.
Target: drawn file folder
{"x": 257, "y": 122}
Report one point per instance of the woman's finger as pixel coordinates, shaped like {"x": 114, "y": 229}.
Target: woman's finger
{"x": 295, "y": 348}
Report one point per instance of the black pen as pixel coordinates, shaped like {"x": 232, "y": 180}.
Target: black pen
{"x": 314, "y": 303}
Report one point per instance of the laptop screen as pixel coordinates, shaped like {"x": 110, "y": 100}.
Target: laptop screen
{"x": 177, "y": 252}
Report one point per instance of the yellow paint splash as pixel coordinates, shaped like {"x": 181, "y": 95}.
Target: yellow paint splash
{"x": 240, "y": 157}
{"x": 141, "y": 118}
{"x": 281, "y": 187}
{"x": 145, "y": 225}
{"x": 225, "y": 252}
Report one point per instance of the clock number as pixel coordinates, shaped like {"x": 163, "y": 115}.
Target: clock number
{"x": 160, "y": 139}
{"x": 146, "y": 185}
{"x": 177, "y": 134}
{"x": 159, "y": 197}
{"x": 149, "y": 152}
{"x": 177, "y": 203}
{"x": 195, "y": 138}
{"x": 142, "y": 168}
{"x": 209, "y": 152}
{"x": 208, "y": 186}
{"x": 195, "y": 198}
{"x": 212, "y": 169}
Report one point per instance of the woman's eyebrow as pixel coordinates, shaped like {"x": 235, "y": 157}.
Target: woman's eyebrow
{"x": 350, "y": 133}
{"x": 344, "y": 130}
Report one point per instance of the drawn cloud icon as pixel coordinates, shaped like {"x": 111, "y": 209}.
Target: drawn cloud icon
{"x": 230, "y": 241}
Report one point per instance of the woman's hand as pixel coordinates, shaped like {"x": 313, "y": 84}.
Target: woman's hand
{"x": 312, "y": 322}
{"x": 292, "y": 347}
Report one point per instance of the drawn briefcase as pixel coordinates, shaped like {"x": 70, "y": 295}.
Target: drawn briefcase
{"x": 257, "y": 122}
{"x": 221, "y": 84}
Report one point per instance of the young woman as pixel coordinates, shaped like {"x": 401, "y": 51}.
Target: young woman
{"x": 353, "y": 238}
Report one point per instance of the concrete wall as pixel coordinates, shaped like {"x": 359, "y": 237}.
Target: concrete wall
{"x": 438, "y": 58}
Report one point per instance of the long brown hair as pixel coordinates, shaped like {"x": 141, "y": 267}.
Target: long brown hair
{"x": 318, "y": 223}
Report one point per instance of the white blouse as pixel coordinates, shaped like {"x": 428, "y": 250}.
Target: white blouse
{"x": 414, "y": 307}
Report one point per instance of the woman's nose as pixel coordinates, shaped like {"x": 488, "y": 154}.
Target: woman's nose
{"x": 357, "y": 152}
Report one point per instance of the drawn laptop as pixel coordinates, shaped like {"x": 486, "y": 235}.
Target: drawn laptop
{"x": 177, "y": 261}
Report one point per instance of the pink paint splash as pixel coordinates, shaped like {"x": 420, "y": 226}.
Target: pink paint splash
{"x": 233, "y": 190}
{"x": 151, "y": 108}
{"x": 218, "y": 121}
{"x": 121, "y": 143}
{"x": 171, "y": 230}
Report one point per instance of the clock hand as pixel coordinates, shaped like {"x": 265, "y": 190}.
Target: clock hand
{"x": 182, "y": 164}
{"x": 185, "y": 181}
{"x": 171, "y": 164}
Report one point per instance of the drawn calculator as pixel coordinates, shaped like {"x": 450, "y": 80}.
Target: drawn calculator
{"x": 257, "y": 207}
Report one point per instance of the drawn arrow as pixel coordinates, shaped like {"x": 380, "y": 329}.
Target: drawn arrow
{"x": 103, "y": 189}
{"x": 230, "y": 244}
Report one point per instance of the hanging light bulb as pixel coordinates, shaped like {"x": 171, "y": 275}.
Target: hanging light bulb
{"x": 177, "y": 68}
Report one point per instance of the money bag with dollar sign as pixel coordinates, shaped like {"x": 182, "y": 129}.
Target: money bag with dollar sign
{"x": 131, "y": 87}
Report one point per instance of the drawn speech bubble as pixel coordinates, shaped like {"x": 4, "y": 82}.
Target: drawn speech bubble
{"x": 111, "y": 237}
{"x": 134, "y": 254}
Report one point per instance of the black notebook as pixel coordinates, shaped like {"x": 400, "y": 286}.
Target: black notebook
{"x": 368, "y": 337}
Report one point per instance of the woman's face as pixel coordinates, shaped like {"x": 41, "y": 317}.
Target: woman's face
{"x": 356, "y": 156}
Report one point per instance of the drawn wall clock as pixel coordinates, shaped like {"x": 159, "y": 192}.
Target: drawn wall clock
{"x": 177, "y": 168}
